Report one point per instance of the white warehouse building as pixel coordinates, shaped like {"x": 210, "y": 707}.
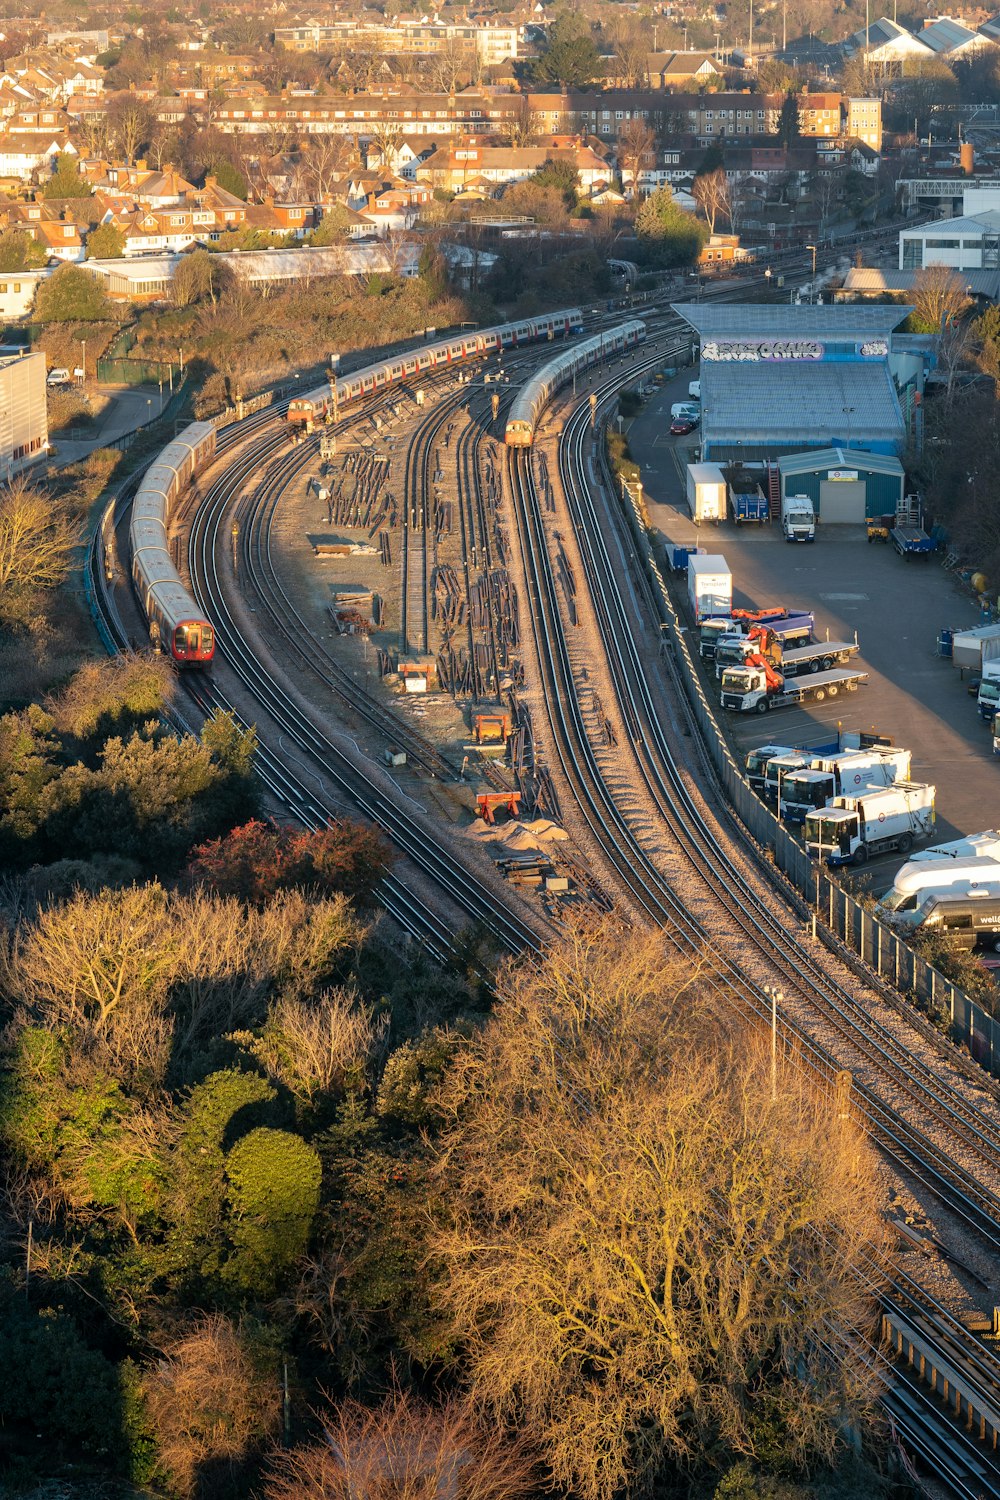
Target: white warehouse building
{"x": 24, "y": 422}
{"x": 970, "y": 242}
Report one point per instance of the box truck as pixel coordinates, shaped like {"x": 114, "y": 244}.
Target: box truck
{"x": 988, "y": 701}
{"x": 827, "y": 777}
{"x": 970, "y": 649}
{"x": 756, "y": 760}
{"x": 798, "y": 519}
{"x": 854, "y": 829}
{"x": 706, "y": 492}
{"x": 710, "y": 586}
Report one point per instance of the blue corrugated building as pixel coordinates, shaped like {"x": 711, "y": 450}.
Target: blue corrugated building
{"x": 779, "y": 379}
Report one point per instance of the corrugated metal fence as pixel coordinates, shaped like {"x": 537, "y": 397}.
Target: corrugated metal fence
{"x": 844, "y": 916}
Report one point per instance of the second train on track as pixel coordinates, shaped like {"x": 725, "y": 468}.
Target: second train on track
{"x": 536, "y": 394}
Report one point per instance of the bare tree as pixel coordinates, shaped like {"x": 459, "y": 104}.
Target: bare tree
{"x": 649, "y": 1239}
{"x": 37, "y": 538}
{"x": 131, "y": 124}
{"x": 523, "y": 125}
{"x": 713, "y": 196}
{"x": 636, "y": 151}
{"x": 631, "y": 47}
{"x": 387, "y": 137}
{"x": 453, "y": 65}
{"x": 940, "y": 297}
{"x": 327, "y": 160}
{"x": 209, "y": 1404}
{"x": 319, "y": 1046}
{"x": 404, "y": 1449}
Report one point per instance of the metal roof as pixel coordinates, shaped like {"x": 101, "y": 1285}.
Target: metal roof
{"x": 987, "y": 222}
{"x": 783, "y": 320}
{"x": 839, "y": 458}
{"x": 786, "y": 403}
{"x": 945, "y": 35}
{"x": 872, "y": 279}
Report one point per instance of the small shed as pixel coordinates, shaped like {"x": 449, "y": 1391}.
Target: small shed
{"x": 845, "y": 485}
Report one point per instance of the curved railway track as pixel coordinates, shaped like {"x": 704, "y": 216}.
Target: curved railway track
{"x": 969, "y": 1472}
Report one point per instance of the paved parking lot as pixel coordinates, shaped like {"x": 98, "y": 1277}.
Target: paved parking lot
{"x": 896, "y": 606}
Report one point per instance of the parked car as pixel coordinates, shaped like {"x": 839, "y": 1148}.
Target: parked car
{"x": 681, "y": 426}
{"x": 58, "y": 377}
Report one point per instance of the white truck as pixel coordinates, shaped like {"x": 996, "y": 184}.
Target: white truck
{"x": 694, "y": 390}
{"x": 758, "y": 688}
{"x": 988, "y": 701}
{"x": 798, "y": 519}
{"x": 706, "y": 492}
{"x": 972, "y": 649}
{"x": 818, "y": 656}
{"x": 710, "y": 586}
{"x": 825, "y": 778}
{"x": 920, "y": 876}
{"x": 853, "y": 829}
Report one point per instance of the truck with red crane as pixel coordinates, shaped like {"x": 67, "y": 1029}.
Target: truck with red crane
{"x": 757, "y": 687}
{"x": 763, "y": 640}
{"x": 792, "y": 627}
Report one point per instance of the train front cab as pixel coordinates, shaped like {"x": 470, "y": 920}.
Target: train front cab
{"x": 518, "y": 434}
{"x": 193, "y": 643}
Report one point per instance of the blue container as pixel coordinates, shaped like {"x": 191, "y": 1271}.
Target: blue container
{"x": 945, "y": 642}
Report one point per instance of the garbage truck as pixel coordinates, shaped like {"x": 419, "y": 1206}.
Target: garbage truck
{"x": 854, "y": 829}
{"x": 849, "y": 775}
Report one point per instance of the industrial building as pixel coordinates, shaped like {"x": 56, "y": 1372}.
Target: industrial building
{"x": 844, "y": 487}
{"x": 779, "y": 379}
{"x": 24, "y": 425}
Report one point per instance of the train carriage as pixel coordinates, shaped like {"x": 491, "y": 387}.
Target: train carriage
{"x": 535, "y": 395}
{"x": 175, "y": 623}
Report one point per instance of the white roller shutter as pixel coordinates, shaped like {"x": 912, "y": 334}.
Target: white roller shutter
{"x": 842, "y": 502}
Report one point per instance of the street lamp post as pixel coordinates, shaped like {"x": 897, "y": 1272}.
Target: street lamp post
{"x": 812, "y": 290}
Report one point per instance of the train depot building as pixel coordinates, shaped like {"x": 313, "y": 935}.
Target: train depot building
{"x": 782, "y": 379}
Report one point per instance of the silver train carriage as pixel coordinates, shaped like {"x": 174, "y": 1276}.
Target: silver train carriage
{"x": 176, "y": 625}
{"x": 535, "y": 395}
{"x": 315, "y": 406}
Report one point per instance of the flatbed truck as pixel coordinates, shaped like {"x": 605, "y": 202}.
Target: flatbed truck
{"x": 757, "y": 687}
{"x": 816, "y": 656}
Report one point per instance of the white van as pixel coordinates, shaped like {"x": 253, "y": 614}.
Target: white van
{"x": 684, "y": 409}
{"x": 694, "y": 390}
{"x": 917, "y": 879}
{"x": 57, "y": 377}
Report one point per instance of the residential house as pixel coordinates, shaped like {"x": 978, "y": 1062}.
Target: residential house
{"x": 681, "y": 70}
{"x": 25, "y": 153}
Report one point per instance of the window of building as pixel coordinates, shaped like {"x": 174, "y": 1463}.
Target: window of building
{"x": 943, "y": 244}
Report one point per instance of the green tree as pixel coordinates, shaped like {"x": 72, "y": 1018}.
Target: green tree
{"x": 986, "y": 330}
{"x": 670, "y": 236}
{"x": 788, "y": 121}
{"x": 561, "y": 176}
{"x": 333, "y": 228}
{"x": 230, "y": 178}
{"x": 106, "y": 242}
{"x": 66, "y": 181}
{"x": 273, "y": 1182}
{"x": 59, "y": 1397}
{"x": 19, "y": 251}
{"x": 570, "y": 57}
{"x": 72, "y": 295}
